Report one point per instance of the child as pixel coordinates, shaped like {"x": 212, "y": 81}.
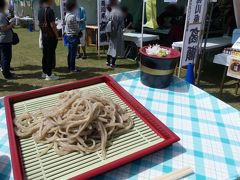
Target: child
{"x": 82, "y": 25}
{"x": 72, "y": 32}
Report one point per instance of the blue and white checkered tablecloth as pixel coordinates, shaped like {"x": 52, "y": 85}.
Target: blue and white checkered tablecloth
{"x": 209, "y": 130}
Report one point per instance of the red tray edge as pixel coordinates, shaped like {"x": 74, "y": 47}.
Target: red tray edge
{"x": 155, "y": 124}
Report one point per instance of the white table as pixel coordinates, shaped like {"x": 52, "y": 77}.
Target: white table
{"x": 158, "y": 31}
{"x": 208, "y": 128}
{"x": 26, "y": 19}
{"x": 224, "y": 59}
{"x": 212, "y": 43}
{"x": 136, "y": 38}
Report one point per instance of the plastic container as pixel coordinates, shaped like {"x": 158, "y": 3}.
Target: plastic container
{"x": 157, "y": 72}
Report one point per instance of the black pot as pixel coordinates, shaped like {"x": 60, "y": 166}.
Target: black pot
{"x": 157, "y": 72}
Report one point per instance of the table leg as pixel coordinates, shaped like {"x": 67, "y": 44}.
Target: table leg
{"x": 97, "y": 45}
{"x": 198, "y": 69}
{"x": 237, "y": 87}
{"x": 223, "y": 80}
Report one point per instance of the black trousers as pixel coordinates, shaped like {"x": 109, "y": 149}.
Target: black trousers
{"x": 111, "y": 60}
{"x": 5, "y": 58}
{"x": 49, "y": 55}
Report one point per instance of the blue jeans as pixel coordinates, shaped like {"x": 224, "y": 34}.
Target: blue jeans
{"x": 72, "y": 51}
{"x": 6, "y": 57}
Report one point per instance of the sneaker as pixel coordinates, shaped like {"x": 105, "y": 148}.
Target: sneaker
{"x": 112, "y": 65}
{"x": 10, "y": 77}
{"x": 51, "y": 78}
{"x": 44, "y": 75}
{"x": 84, "y": 57}
{"x": 75, "y": 71}
{"x": 107, "y": 63}
{"x": 79, "y": 56}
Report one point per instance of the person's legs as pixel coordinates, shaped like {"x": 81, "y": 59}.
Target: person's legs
{"x": 79, "y": 51}
{"x": 6, "y": 55}
{"x": 44, "y": 58}
{"x": 55, "y": 42}
{"x": 113, "y": 61}
{"x": 69, "y": 56}
{"x": 49, "y": 52}
{"x": 73, "y": 56}
{"x": 108, "y": 60}
{"x": 72, "y": 52}
{"x": 84, "y": 52}
{"x": 83, "y": 44}
{"x": 49, "y": 47}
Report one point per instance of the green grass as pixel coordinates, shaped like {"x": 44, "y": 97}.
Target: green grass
{"x": 27, "y": 63}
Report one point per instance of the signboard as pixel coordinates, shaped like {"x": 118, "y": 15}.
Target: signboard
{"x": 234, "y": 67}
{"x": 102, "y": 22}
{"x": 193, "y": 33}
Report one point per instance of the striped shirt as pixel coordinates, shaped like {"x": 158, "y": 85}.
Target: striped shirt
{"x": 72, "y": 26}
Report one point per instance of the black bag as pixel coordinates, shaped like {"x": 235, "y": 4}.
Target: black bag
{"x": 15, "y": 38}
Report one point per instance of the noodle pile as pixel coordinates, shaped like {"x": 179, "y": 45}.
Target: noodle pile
{"x": 80, "y": 122}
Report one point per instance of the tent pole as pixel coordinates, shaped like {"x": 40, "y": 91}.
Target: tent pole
{"x": 143, "y": 10}
{"x": 98, "y": 29}
{"x": 202, "y": 58}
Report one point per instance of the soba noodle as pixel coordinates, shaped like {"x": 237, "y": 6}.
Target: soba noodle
{"x": 80, "y": 122}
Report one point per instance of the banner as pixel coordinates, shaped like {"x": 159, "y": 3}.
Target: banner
{"x": 193, "y": 33}
{"x": 102, "y": 22}
{"x": 151, "y": 13}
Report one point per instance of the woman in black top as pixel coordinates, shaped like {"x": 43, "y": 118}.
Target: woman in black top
{"x": 47, "y": 24}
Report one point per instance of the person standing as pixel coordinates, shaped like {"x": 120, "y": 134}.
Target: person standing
{"x": 6, "y": 36}
{"x": 114, "y": 31}
{"x": 128, "y": 18}
{"x": 82, "y": 18}
{"x": 48, "y": 28}
{"x": 72, "y": 32}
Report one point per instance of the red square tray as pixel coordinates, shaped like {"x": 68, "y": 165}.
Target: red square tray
{"x": 156, "y": 125}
